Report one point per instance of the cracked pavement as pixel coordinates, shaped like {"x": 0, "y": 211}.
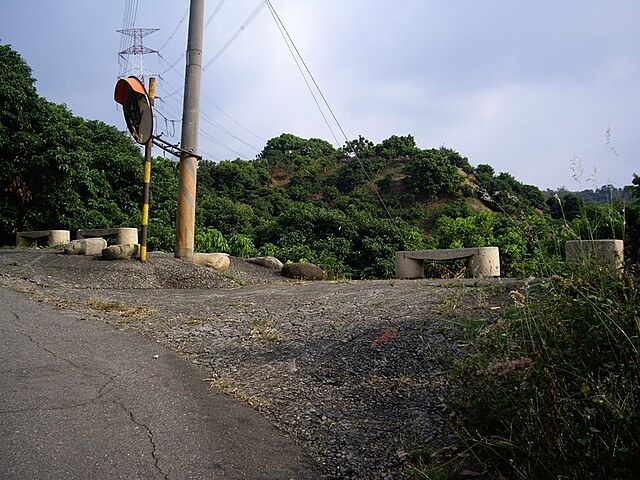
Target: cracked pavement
{"x": 82, "y": 400}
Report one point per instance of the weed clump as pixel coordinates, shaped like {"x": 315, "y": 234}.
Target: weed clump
{"x": 553, "y": 390}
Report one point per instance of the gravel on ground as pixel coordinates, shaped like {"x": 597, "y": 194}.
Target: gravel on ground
{"x": 350, "y": 369}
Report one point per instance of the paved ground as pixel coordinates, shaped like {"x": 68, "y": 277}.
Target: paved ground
{"x": 352, "y": 370}
{"x": 82, "y": 400}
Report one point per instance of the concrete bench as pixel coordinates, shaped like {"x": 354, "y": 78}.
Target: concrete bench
{"x": 481, "y": 261}
{"x": 608, "y": 254}
{"x": 123, "y": 235}
{"x": 54, "y": 237}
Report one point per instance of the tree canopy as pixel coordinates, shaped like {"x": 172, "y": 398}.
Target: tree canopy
{"x": 348, "y": 209}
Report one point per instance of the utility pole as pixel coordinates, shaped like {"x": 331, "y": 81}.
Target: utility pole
{"x": 186, "y": 218}
{"x": 147, "y": 179}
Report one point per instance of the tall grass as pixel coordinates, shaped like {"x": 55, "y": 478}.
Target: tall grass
{"x": 554, "y": 388}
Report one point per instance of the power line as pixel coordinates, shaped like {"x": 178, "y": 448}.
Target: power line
{"x": 214, "y": 13}
{"x": 177, "y": 90}
{"x": 279, "y": 22}
{"x": 212, "y": 122}
{"x": 211, "y": 17}
{"x": 175, "y": 30}
{"x": 242, "y": 28}
{"x": 231, "y": 118}
{"x": 208, "y": 136}
{"x": 207, "y": 118}
{"x": 128, "y": 22}
{"x": 291, "y": 46}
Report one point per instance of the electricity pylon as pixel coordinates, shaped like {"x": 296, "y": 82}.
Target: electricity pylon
{"x": 137, "y": 50}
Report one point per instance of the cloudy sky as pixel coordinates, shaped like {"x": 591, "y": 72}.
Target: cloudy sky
{"x": 547, "y": 90}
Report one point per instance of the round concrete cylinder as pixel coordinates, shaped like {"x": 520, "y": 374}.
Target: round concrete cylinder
{"x": 605, "y": 253}
{"x": 485, "y": 263}
{"x": 127, "y": 235}
{"x": 59, "y": 237}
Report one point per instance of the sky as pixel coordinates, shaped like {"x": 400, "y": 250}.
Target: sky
{"x": 546, "y": 90}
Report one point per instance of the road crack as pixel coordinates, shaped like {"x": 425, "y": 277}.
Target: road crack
{"x": 102, "y": 391}
{"x": 151, "y": 440}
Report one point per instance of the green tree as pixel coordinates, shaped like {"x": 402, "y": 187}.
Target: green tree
{"x": 432, "y": 174}
{"x": 60, "y": 171}
{"x": 396, "y": 147}
{"x": 361, "y": 147}
{"x": 163, "y": 204}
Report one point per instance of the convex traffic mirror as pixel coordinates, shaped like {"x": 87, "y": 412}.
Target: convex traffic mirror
{"x": 131, "y": 94}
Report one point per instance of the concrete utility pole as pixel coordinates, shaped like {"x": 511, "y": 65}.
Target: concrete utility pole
{"x": 186, "y": 219}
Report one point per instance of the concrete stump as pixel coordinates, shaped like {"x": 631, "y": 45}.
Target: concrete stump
{"x": 124, "y": 235}
{"x": 218, "y": 261}
{"x": 608, "y": 254}
{"x": 271, "y": 263}
{"x": 123, "y": 251}
{"x": 485, "y": 263}
{"x": 86, "y": 246}
{"x": 127, "y": 236}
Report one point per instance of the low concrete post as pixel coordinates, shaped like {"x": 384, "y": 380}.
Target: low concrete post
{"x": 604, "y": 253}
{"x": 485, "y": 263}
{"x": 407, "y": 267}
{"x": 127, "y": 236}
{"x": 59, "y": 237}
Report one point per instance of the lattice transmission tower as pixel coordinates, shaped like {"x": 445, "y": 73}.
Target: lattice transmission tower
{"x": 137, "y": 50}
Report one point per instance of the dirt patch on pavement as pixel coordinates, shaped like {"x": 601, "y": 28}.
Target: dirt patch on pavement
{"x": 350, "y": 369}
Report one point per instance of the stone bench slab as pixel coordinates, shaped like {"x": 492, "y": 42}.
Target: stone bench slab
{"x": 124, "y": 235}
{"x": 482, "y": 261}
{"x": 54, "y": 237}
{"x": 441, "y": 255}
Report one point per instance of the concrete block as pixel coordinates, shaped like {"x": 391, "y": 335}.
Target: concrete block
{"x": 604, "y": 253}
{"x": 124, "y": 235}
{"x": 123, "y": 251}
{"x": 218, "y": 261}
{"x": 86, "y": 246}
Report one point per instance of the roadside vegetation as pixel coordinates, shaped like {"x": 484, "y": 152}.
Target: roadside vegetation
{"x": 553, "y": 388}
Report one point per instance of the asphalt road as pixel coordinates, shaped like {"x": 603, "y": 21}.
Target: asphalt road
{"x": 81, "y": 400}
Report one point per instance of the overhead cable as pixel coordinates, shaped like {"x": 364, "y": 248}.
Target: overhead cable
{"x": 231, "y": 118}
{"x": 242, "y": 28}
{"x": 282, "y": 28}
{"x": 207, "y": 135}
{"x": 214, "y": 13}
{"x": 175, "y": 30}
{"x": 207, "y": 118}
{"x": 291, "y": 46}
{"x": 128, "y": 22}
